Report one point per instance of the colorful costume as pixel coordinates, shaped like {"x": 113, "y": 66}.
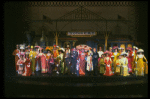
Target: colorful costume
{"x": 115, "y": 54}
{"x": 118, "y": 66}
{"x": 16, "y": 54}
{"x": 32, "y": 57}
{"x": 21, "y": 64}
{"x": 129, "y": 57}
{"x": 43, "y": 62}
{"x": 102, "y": 66}
{"x": 82, "y": 64}
{"x": 50, "y": 65}
{"x": 141, "y": 66}
{"x": 124, "y": 65}
{"x": 28, "y": 70}
{"x": 108, "y": 71}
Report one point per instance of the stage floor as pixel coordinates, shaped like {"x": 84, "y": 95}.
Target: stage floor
{"x": 65, "y": 86}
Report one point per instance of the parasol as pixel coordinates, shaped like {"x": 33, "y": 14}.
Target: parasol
{"x": 82, "y": 46}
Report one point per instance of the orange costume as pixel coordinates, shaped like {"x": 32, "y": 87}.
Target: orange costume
{"x": 16, "y": 53}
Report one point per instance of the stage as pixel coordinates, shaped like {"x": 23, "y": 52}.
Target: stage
{"x": 58, "y": 86}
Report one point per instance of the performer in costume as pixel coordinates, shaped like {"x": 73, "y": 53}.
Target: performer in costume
{"x": 100, "y": 52}
{"x": 55, "y": 54}
{"x": 61, "y": 60}
{"x": 108, "y": 61}
{"x": 102, "y": 64}
{"x": 115, "y": 54}
{"x": 133, "y": 58}
{"x": 95, "y": 61}
{"x": 110, "y": 51}
{"x": 118, "y": 65}
{"x": 21, "y": 63}
{"x": 16, "y": 54}
{"x": 124, "y": 64}
{"x": 27, "y": 69}
{"x": 48, "y": 55}
{"x": 129, "y": 57}
{"x": 122, "y": 50}
{"x": 51, "y": 64}
{"x": 43, "y": 60}
{"x": 89, "y": 64}
{"x": 82, "y": 63}
{"x": 74, "y": 55}
{"x": 22, "y": 48}
{"x": 67, "y": 62}
{"x": 37, "y": 61}
{"x": 141, "y": 66}
{"x": 32, "y": 56}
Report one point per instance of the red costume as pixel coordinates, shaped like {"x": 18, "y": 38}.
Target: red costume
{"x": 108, "y": 71}
{"x": 16, "y": 57}
{"x": 28, "y": 70}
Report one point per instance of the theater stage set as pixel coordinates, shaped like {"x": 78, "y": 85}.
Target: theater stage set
{"x": 96, "y": 24}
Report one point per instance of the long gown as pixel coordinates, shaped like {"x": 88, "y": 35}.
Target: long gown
{"x": 43, "y": 62}
{"x": 129, "y": 57}
{"x": 115, "y": 54}
{"x": 16, "y": 57}
{"x": 48, "y": 55}
{"x": 32, "y": 57}
{"x": 108, "y": 71}
{"x": 50, "y": 65}
{"x": 124, "y": 67}
{"x": 102, "y": 66}
{"x": 118, "y": 66}
{"x": 20, "y": 64}
{"x": 141, "y": 65}
{"x": 27, "y": 71}
{"x": 82, "y": 64}
{"x": 89, "y": 64}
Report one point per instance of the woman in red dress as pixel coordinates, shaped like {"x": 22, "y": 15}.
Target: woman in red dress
{"x": 108, "y": 61}
{"x": 82, "y": 63}
{"x": 28, "y": 70}
{"x": 129, "y": 57}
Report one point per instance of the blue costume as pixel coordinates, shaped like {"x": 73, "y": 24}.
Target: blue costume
{"x": 74, "y": 55}
{"x": 95, "y": 62}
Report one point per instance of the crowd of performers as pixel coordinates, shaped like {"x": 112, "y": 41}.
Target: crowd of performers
{"x": 30, "y": 60}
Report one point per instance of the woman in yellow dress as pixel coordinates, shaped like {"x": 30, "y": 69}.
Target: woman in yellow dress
{"x": 124, "y": 64}
{"x": 32, "y": 56}
{"x": 115, "y": 54}
{"x": 102, "y": 64}
{"x": 118, "y": 65}
{"x": 141, "y": 66}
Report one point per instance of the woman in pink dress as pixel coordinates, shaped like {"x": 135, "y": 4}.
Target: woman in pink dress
{"x": 108, "y": 61}
{"x": 82, "y": 63}
{"x": 43, "y": 61}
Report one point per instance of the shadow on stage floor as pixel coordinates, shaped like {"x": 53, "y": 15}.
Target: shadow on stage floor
{"x": 65, "y": 86}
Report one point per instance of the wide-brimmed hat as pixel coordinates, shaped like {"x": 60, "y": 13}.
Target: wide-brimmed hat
{"x": 115, "y": 47}
{"x": 129, "y": 48}
{"x": 61, "y": 49}
{"x": 106, "y": 52}
{"x": 124, "y": 53}
{"x": 140, "y": 50}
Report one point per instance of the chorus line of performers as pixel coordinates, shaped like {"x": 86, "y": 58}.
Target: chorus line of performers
{"x": 80, "y": 62}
